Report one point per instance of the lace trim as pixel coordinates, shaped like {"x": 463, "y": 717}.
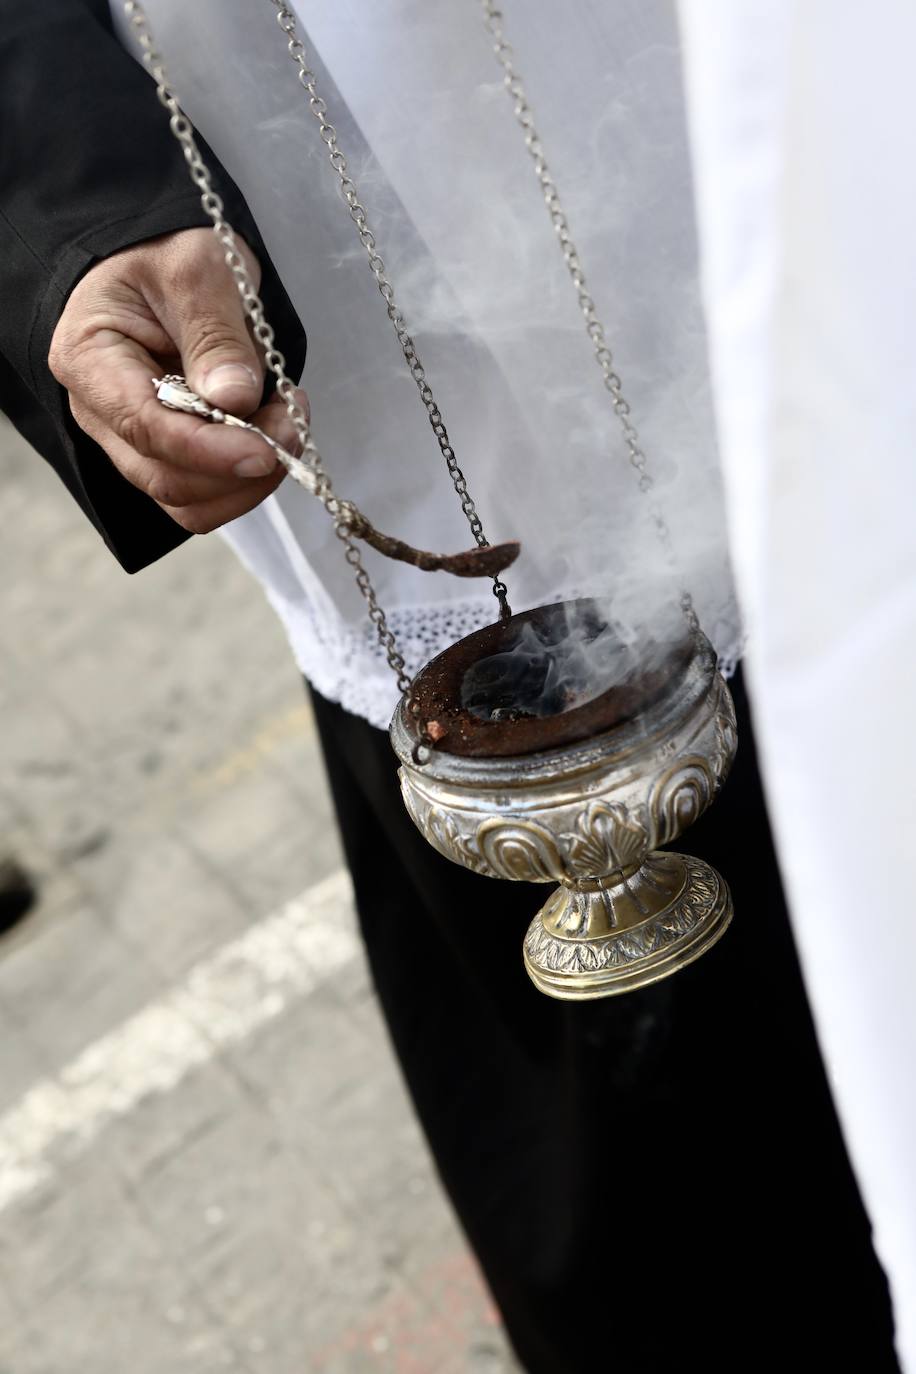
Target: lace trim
{"x": 347, "y": 665}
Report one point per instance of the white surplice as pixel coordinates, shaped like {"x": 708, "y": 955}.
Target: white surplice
{"x": 803, "y": 121}
{"x": 422, "y": 116}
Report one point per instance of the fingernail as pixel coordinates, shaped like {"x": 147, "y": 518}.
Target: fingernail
{"x": 227, "y": 378}
{"x": 255, "y": 466}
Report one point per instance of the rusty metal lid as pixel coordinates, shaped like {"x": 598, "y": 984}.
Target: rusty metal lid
{"x": 437, "y": 691}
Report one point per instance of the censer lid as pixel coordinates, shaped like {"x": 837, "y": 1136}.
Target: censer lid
{"x": 467, "y": 710}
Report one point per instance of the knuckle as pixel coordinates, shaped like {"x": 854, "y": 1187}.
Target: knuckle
{"x": 207, "y": 455}
{"x": 214, "y": 337}
{"x": 136, "y": 426}
{"x": 80, "y": 413}
{"x": 166, "y": 489}
{"x": 250, "y": 259}
{"x": 129, "y": 427}
{"x": 60, "y": 357}
{"x": 182, "y": 258}
{"x": 199, "y": 449}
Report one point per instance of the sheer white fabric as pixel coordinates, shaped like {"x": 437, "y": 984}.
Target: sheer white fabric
{"x": 803, "y": 120}
{"x": 423, "y": 118}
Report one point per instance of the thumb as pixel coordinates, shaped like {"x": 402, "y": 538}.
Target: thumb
{"x": 218, "y": 356}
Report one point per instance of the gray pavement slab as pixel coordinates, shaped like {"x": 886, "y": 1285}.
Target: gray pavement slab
{"x": 268, "y": 1202}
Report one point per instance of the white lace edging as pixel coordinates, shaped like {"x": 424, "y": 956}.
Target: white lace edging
{"x": 348, "y": 666}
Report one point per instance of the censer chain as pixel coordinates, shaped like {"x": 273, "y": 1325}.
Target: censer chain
{"x": 318, "y": 107}
{"x": 174, "y": 393}
{"x": 319, "y": 481}
{"x": 495, "y": 24}
{"x": 308, "y": 469}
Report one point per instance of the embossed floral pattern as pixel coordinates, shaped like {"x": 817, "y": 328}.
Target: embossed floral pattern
{"x": 680, "y": 796}
{"x": 522, "y": 850}
{"x": 604, "y": 834}
{"x": 609, "y": 836}
{"x": 441, "y": 830}
{"x": 555, "y": 954}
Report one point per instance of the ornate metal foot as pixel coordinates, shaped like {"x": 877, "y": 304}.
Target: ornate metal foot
{"x": 599, "y": 937}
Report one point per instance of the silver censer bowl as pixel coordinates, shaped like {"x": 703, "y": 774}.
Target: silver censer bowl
{"x": 583, "y": 799}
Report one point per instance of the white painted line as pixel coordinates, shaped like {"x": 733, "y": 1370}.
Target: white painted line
{"x": 220, "y": 1002}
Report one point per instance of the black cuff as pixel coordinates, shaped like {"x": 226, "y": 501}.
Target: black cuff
{"x": 136, "y": 530}
{"x": 88, "y": 166}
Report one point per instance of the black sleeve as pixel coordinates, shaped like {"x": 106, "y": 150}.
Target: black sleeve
{"x": 88, "y": 166}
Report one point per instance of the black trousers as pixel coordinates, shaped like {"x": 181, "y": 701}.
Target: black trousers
{"x": 652, "y": 1183}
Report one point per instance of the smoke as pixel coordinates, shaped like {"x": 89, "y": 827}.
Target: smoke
{"x": 460, "y": 221}
{"x": 562, "y": 660}
{"x": 549, "y": 463}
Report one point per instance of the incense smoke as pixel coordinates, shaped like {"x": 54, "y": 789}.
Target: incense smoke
{"x": 561, "y": 661}
{"x": 441, "y": 167}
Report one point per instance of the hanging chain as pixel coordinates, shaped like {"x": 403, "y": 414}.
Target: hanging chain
{"x": 493, "y": 19}
{"x": 339, "y": 510}
{"x": 318, "y": 107}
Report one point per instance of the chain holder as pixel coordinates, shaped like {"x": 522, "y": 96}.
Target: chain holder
{"x": 495, "y": 24}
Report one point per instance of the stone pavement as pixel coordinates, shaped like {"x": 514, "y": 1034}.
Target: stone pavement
{"x": 207, "y": 1160}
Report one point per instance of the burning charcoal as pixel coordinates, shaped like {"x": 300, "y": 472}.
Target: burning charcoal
{"x": 554, "y": 664}
{"x": 514, "y": 679}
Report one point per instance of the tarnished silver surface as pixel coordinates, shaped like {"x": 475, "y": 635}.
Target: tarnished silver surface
{"x": 590, "y": 817}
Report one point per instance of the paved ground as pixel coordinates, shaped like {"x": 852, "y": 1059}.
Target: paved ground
{"x": 206, "y": 1156}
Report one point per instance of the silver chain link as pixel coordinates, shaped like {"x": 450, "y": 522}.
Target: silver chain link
{"x": 494, "y": 21}
{"x": 338, "y": 510}
{"x": 318, "y": 107}
{"x": 263, "y": 333}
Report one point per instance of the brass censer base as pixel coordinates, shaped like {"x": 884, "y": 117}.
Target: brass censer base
{"x": 582, "y": 797}
{"x": 608, "y": 935}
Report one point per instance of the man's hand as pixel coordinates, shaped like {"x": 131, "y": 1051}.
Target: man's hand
{"x": 171, "y": 305}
